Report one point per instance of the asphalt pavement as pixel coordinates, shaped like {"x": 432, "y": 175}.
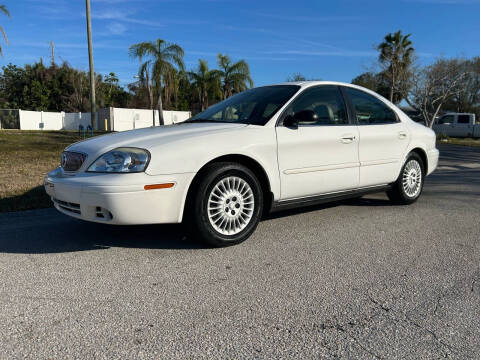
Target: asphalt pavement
{"x": 353, "y": 279}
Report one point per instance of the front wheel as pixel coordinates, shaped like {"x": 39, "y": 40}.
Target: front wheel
{"x": 227, "y": 205}
{"x": 409, "y": 185}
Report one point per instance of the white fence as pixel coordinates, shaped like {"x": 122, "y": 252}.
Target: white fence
{"x": 126, "y": 119}
{"x": 117, "y": 119}
{"x": 40, "y": 120}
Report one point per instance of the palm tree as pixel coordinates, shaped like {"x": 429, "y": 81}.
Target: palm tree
{"x": 205, "y": 81}
{"x": 235, "y": 76}
{"x": 161, "y": 57}
{"x": 171, "y": 86}
{"x": 396, "y": 53}
{"x": 4, "y": 10}
{"x": 144, "y": 80}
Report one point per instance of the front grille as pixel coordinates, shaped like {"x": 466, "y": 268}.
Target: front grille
{"x": 72, "y": 161}
{"x": 68, "y": 206}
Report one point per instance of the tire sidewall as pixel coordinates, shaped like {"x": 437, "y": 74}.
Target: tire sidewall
{"x": 203, "y": 225}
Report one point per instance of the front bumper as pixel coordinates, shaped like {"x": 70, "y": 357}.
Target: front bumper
{"x": 118, "y": 199}
{"x": 432, "y": 156}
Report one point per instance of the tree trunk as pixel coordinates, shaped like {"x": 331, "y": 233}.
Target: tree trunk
{"x": 392, "y": 86}
{"x": 167, "y": 94}
{"x": 432, "y": 120}
{"x": 149, "y": 89}
{"x": 160, "y": 106}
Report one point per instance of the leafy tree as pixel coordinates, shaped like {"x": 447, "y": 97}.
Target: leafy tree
{"x": 55, "y": 88}
{"x": 206, "y": 82}
{"x": 395, "y": 58}
{"x": 35, "y": 96}
{"x": 186, "y": 97}
{"x": 368, "y": 80}
{"x": 161, "y": 57}
{"x": 5, "y": 11}
{"x": 111, "y": 93}
{"x": 296, "y": 77}
{"x": 235, "y": 77}
{"x": 377, "y": 82}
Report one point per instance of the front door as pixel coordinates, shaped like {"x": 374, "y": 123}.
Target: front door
{"x": 322, "y": 156}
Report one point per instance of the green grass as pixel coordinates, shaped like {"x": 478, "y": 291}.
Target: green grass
{"x": 26, "y": 157}
{"x": 458, "y": 141}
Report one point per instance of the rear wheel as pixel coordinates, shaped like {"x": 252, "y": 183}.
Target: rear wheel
{"x": 409, "y": 185}
{"x": 227, "y": 205}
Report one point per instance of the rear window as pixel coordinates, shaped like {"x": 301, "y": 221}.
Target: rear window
{"x": 463, "y": 119}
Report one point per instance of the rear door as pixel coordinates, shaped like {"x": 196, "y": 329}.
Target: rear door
{"x": 320, "y": 157}
{"x": 383, "y": 138}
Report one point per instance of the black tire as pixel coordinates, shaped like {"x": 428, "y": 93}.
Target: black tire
{"x": 198, "y": 217}
{"x": 399, "y": 193}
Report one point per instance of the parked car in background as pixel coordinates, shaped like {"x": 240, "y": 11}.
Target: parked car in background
{"x": 457, "y": 125}
{"x": 265, "y": 149}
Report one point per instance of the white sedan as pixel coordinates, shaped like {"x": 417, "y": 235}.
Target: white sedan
{"x": 265, "y": 149}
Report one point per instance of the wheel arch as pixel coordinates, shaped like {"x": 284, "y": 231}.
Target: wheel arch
{"x": 244, "y": 160}
{"x": 423, "y": 155}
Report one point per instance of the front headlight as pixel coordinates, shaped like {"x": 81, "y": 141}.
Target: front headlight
{"x": 122, "y": 160}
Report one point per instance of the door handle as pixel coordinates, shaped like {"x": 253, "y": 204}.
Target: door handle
{"x": 347, "y": 139}
{"x": 402, "y": 135}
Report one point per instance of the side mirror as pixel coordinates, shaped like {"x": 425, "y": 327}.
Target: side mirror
{"x": 306, "y": 117}
{"x": 302, "y": 117}
{"x": 290, "y": 122}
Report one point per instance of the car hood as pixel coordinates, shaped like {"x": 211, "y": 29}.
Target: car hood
{"x": 147, "y": 138}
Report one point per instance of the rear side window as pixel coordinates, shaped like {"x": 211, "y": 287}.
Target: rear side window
{"x": 370, "y": 110}
{"x": 463, "y": 119}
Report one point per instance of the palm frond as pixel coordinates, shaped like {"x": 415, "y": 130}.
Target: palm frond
{"x": 4, "y": 34}
{"x": 3, "y": 9}
{"x": 141, "y": 50}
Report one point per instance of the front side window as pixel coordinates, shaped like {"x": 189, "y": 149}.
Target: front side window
{"x": 325, "y": 101}
{"x": 253, "y": 107}
{"x": 447, "y": 119}
{"x": 369, "y": 109}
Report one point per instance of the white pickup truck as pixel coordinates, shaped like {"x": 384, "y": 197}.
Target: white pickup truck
{"x": 457, "y": 125}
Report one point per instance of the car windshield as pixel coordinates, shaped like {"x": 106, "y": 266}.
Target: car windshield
{"x": 253, "y": 107}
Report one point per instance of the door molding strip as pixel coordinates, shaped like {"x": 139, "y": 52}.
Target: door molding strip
{"x": 321, "y": 168}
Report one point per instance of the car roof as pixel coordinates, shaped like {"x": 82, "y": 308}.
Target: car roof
{"x": 308, "y": 83}
{"x": 312, "y": 82}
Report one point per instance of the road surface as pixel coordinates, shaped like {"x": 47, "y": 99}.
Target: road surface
{"x": 354, "y": 279}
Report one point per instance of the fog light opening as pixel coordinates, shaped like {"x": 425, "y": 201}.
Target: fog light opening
{"x": 103, "y": 213}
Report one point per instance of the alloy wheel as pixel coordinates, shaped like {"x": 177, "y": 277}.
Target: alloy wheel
{"x": 230, "y": 205}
